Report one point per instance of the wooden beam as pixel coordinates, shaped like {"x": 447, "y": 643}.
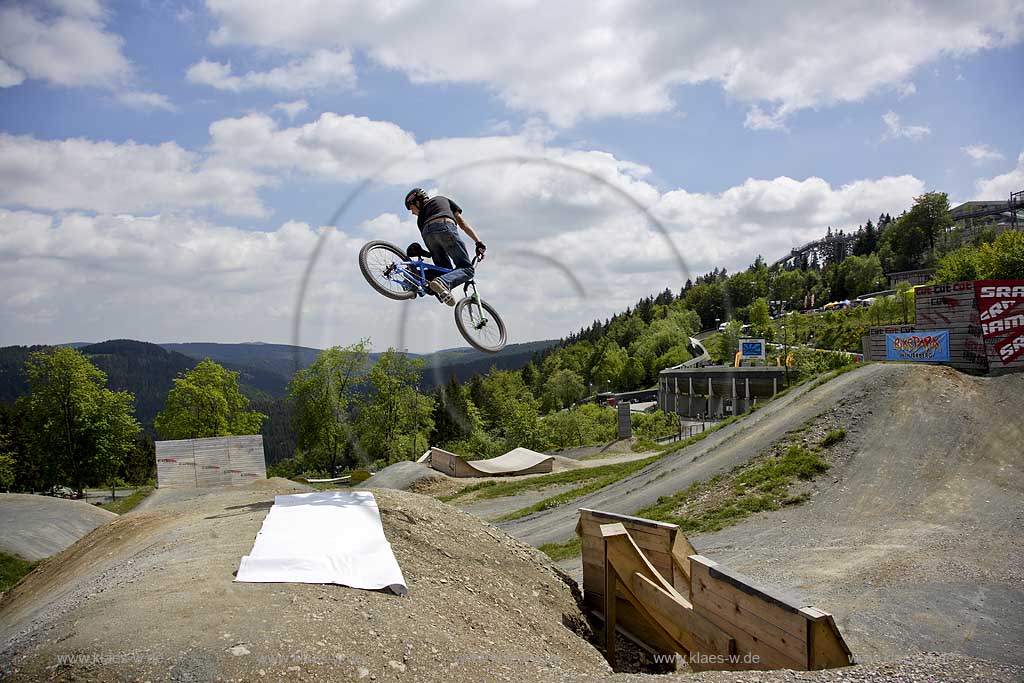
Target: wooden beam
{"x": 665, "y": 607}
{"x": 825, "y": 645}
{"x": 681, "y": 551}
{"x": 680, "y": 620}
{"x": 610, "y": 584}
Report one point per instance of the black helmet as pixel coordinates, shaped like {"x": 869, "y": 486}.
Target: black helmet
{"x": 415, "y": 195}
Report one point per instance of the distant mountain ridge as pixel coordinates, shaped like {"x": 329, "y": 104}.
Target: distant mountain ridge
{"x": 148, "y": 371}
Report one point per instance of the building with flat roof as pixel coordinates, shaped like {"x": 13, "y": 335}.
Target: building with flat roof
{"x": 714, "y": 392}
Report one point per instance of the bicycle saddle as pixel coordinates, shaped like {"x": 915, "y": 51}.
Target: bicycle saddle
{"x": 414, "y": 250}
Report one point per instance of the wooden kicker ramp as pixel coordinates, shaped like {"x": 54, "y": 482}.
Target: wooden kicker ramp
{"x": 669, "y": 599}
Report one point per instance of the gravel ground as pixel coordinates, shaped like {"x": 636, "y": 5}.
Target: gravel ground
{"x": 151, "y": 596}
{"x": 923, "y": 668}
{"x": 914, "y": 539}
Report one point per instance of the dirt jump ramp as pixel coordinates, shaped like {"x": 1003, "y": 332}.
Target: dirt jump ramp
{"x": 516, "y": 462}
{"x": 708, "y": 616}
{"x": 36, "y": 527}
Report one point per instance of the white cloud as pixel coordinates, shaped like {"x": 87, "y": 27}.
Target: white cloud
{"x": 982, "y": 153}
{"x": 292, "y": 109}
{"x": 1000, "y": 187}
{"x": 145, "y": 100}
{"x": 894, "y": 128}
{"x": 530, "y": 201}
{"x": 10, "y": 76}
{"x": 120, "y": 177}
{"x": 758, "y": 119}
{"x": 72, "y": 49}
{"x": 131, "y": 274}
{"x": 578, "y": 59}
{"x": 321, "y": 69}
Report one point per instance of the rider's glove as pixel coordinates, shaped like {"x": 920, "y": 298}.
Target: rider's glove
{"x": 480, "y": 249}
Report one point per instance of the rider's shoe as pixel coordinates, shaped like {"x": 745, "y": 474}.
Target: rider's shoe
{"x": 442, "y": 291}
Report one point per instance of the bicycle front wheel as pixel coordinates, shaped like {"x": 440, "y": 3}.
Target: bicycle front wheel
{"x": 480, "y": 325}
{"x": 381, "y": 264}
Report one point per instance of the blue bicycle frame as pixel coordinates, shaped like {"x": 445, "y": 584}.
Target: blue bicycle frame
{"x": 413, "y": 275}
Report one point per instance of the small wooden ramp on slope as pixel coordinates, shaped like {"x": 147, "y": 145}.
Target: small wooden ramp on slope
{"x": 515, "y": 462}
{"x": 670, "y": 600}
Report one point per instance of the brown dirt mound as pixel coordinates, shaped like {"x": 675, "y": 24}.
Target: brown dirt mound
{"x": 151, "y": 596}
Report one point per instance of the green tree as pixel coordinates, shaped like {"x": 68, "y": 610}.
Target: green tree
{"x": 454, "y": 417}
{"x": 761, "y": 320}
{"x": 509, "y": 410}
{"x": 727, "y": 343}
{"x": 321, "y": 396}
{"x": 80, "y": 431}
{"x": 905, "y": 302}
{"x": 204, "y": 402}
{"x": 1004, "y": 258}
{"x": 930, "y": 214}
{"x": 626, "y": 330}
{"x": 609, "y": 363}
{"x": 564, "y": 388}
{"x": 531, "y": 377}
{"x": 860, "y": 275}
{"x": 789, "y": 288}
{"x": 390, "y": 421}
{"x": 634, "y": 375}
{"x": 958, "y": 265}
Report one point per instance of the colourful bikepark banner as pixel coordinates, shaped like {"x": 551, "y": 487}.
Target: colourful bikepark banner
{"x": 928, "y": 347}
{"x": 1001, "y": 305}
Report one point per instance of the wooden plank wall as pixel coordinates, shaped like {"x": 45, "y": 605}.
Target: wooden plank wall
{"x": 772, "y": 631}
{"x": 953, "y": 308}
{"x": 175, "y": 464}
{"x": 449, "y": 463}
{"x": 215, "y": 461}
{"x": 874, "y": 343}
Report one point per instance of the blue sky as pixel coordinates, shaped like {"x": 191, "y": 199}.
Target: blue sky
{"x": 168, "y": 167}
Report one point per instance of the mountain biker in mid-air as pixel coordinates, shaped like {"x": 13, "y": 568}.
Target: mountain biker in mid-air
{"x": 438, "y": 219}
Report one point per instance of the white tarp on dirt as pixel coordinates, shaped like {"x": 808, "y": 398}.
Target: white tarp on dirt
{"x": 330, "y": 537}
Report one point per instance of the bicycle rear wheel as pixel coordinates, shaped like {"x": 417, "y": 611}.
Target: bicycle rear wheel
{"x": 381, "y": 264}
{"x": 480, "y": 325}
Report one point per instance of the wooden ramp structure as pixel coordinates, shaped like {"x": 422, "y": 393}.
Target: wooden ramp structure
{"x": 644, "y": 580}
{"x": 516, "y": 462}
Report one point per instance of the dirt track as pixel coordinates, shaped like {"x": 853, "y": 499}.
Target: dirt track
{"x": 35, "y": 527}
{"x": 719, "y": 452}
{"x": 916, "y": 539}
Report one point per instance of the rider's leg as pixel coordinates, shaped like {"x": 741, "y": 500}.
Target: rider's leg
{"x": 454, "y": 248}
{"x": 437, "y": 252}
{"x": 436, "y": 246}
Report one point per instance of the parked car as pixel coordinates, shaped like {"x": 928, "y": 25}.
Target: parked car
{"x": 63, "y": 492}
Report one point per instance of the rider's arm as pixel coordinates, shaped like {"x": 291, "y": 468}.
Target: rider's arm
{"x": 467, "y": 227}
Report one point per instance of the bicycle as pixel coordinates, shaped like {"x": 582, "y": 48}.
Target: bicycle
{"x": 390, "y": 271}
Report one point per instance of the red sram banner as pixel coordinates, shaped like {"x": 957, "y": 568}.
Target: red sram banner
{"x": 1001, "y": 306}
